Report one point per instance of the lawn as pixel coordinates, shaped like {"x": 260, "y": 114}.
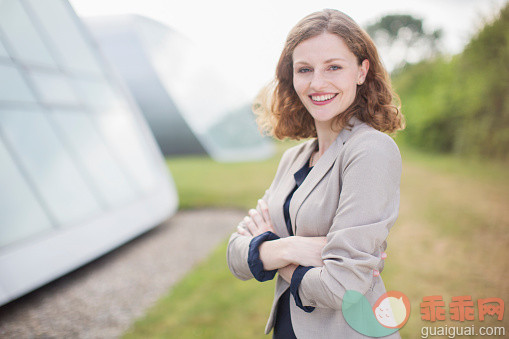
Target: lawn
{"x": 202, "y": 182}
{"x": 450, "y": 239}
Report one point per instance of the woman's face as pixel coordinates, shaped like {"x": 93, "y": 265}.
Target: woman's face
{"x": 326, "y": 75}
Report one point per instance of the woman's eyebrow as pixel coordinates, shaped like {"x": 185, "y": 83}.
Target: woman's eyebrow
{"x": 325, "y": 62}
{"x": 300, "y": 63}
{"x": 334, "y": 59}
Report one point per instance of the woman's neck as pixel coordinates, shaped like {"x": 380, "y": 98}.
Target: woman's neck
{"x": 325, "y": 136}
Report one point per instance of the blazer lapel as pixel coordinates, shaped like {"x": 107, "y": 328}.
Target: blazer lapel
{"x": 288, "y": 183}
{"x": 320, "y": 169}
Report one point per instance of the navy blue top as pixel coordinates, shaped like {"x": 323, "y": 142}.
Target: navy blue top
{"x": 283, "y": 327}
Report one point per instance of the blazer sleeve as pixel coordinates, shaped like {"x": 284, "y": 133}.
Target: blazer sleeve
{"x": 368, "y": 207}
{"x": 237, "y": 251}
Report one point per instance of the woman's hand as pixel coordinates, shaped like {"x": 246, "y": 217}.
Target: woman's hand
{"x": 287, "y": 272}
{"x": 257, "y": 222}
{"x": 305, "y": 251}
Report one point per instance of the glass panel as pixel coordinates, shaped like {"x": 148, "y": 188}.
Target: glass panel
{"x": 62, "y": 26}
{"x": 3, "y": 52}
{"x": 86, "y": 142}
{"x": 123, "y": 137}
{"x": 21, "y": 34}
{"x": 98, "y": 94}
{"x": 13, "y": 86}
{"x": 18, "y": 206}
{"x": 54, "y": 88}
{"x": 49, "y": 165}
{"x": 184, "y": 73}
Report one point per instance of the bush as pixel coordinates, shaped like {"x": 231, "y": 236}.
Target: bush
{"x": 461, "y": 105}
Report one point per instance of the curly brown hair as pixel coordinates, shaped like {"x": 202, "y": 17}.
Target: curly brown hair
{"x": 281, "y": 113}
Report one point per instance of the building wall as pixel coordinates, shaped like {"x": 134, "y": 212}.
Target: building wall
{"x": 80, "y": 172}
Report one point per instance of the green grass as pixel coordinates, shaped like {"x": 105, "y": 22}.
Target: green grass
{"x": 209, "y": 303}
{"x": 450, "y": 239}
{"x": 471, "y": 167}
{"x": 203, "y": 182}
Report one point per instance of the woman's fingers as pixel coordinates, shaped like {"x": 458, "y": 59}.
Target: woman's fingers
{"x": 242, "y": 231}
{"x": 257, "y": 218}
{"x": 258, "y": 222}
{"x": 265, "y": 211}
{"x": 251, "y": 226}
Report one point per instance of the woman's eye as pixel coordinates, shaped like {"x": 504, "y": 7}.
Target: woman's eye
{"x": 335, "y": 68}
{"x": 304, "y": 70}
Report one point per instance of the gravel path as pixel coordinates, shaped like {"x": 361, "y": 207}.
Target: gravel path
{"x": 102, "y": 299}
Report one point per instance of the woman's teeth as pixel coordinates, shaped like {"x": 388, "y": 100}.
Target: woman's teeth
{"x": 322, "y": 97}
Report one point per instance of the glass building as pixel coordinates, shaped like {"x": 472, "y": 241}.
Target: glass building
{"x": 80, "y": 171}
{"x": 187, "y": 104}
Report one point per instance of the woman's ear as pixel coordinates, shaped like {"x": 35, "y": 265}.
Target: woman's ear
{"x": 363, "y": 71}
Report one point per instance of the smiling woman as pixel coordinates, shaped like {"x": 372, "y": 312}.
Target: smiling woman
{"x": 323, "y": 223}
{"x": 326, "y": 76}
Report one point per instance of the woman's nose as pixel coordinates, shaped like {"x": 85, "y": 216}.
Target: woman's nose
{"x": 318, "y": 81}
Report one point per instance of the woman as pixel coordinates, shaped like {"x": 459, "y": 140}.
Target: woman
{"x": 322, "y": 224}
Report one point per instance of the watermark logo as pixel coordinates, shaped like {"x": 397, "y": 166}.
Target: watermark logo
{"x": 388, "y": 315}
{"x": 461, "y": 308}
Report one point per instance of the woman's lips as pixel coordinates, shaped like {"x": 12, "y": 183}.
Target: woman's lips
{"x": 322, "y": 99}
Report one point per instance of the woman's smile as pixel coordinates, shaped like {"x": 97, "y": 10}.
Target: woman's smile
{"x": 322, "y": 99}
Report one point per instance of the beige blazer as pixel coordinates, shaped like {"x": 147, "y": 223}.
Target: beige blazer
{"x": 351, "y": 196}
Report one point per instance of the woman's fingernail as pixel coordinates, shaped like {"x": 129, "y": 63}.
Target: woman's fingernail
{"x": 246, "y": 219}
{"x": 376, "y": 273}
{"x": 252, "y": 211}
{"x": 384, "y": 255}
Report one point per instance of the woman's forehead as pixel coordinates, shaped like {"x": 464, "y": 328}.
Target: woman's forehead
{"x": 325, "y": 47}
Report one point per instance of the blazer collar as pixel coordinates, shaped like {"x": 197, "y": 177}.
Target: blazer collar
{"x": 320, "y": 169}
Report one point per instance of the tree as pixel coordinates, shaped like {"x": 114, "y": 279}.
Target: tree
{"x": 402, "y": 39}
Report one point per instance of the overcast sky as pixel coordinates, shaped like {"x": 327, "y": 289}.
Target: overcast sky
{"x": 243, "y": 39}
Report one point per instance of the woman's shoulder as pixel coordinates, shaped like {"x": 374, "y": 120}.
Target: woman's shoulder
{"x": 367, "y": 140}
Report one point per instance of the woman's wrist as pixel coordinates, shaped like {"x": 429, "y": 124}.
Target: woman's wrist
{"x": 291, "y": 250}
{"x": 287, "y": 272}
{"x": 274, "y": 254}
{"x": 305, "y": 251}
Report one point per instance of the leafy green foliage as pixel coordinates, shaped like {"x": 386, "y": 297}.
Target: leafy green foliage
{"x": 402, "y": 39}
{"x": 461, "y": 105}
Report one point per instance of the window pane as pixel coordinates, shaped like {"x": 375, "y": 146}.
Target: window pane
{"x": 18, "y": 206}
{"x": 123, "y": 137}
{"x": 86, "y": 142}
{"x": 98, "y": 94}
{"x": 49, "y": 165}
{"x": 13, "y": 86}
{"x": 21, "y": 34}
{"x": 62, "y": 27}
{"x": 54, "y": 88}
{"x": 3, "y": 52}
